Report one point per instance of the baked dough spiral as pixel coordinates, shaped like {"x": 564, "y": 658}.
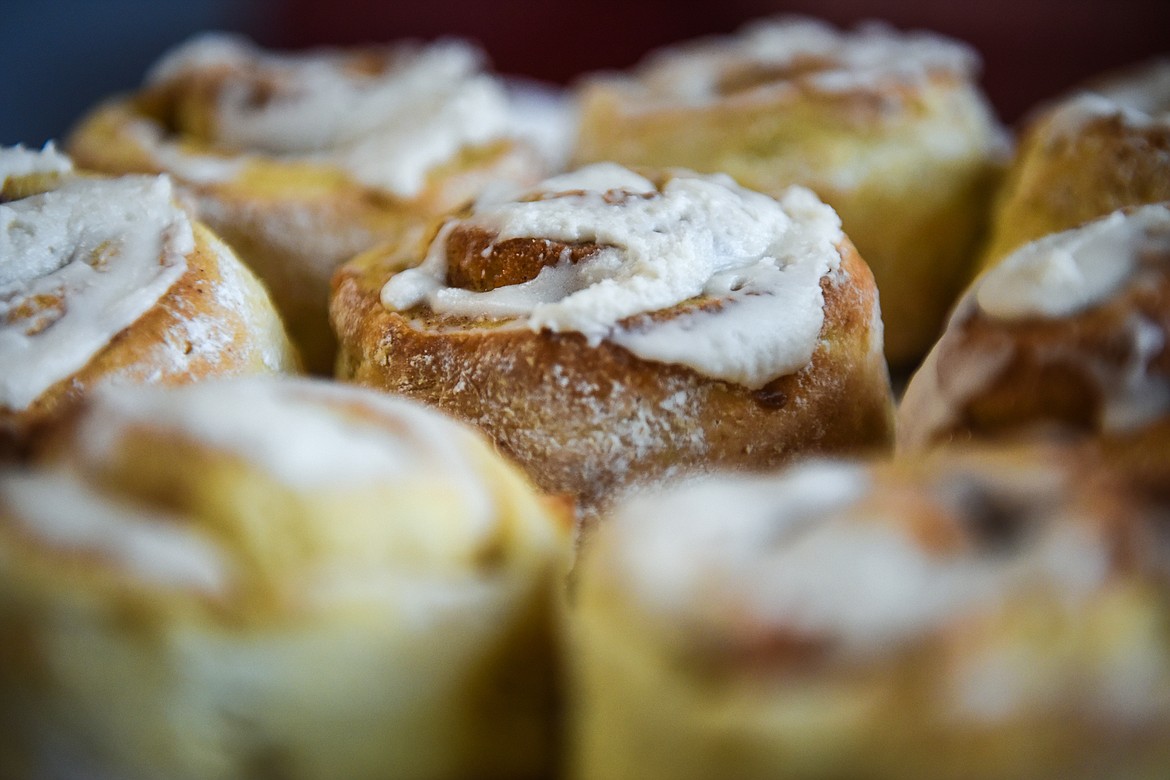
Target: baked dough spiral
{"x": 609, "y": 330}
{"x": 275, "y": 578}
{"x": 302, "y": 160}
{"x": 886, "y": 127}
{"x": 109, "y": 281}
{"x": 1104, "y": 147}
{"x": 1068, "y": 333}
{"x": 979, "y": 614}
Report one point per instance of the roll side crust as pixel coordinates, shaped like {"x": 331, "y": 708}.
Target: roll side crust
{"x": 1060, "y": 181}
{"x": 169, "y": 344}
{"x": 594, "y": 421}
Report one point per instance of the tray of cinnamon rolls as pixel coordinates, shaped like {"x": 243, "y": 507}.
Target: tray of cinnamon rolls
{"x": 768, "y": 409}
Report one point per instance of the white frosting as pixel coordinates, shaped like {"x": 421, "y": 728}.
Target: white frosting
{"x": 802, "y": 554}
{"x": 788, "y": 556}
{"x": 1065, "y": 273}
{"x": 761, "y": 259}
{"x": 294, "y": 430}
{"x": 701, "y": 528}
{"x": 16, "y": 161}
{"x": 178, "y": 161}
{"x": 388, "y": 130}
{"x": 1146, "y": 89}
{"x": 77, "y": 265}
{"x": 1140, "y": 99}
{"x": 842, "y": 60}
{"x": 62, "y": 511}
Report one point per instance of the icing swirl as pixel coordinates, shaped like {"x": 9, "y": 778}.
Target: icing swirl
{"x": 630, "y": 248}
{"x": 387, "y": 119}
{"x": 77, "y": 265}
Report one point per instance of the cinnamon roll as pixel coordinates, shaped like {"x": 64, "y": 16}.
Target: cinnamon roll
{"x": 1068, "y": 334}
{"x": 302, "y": 160}
{"x": 109, "y": 281}
{"x": 1104, "y": 147}
{"x": 887, "y": 127}
{"x": 988, "y": 614}
{"x": 274, "y": 578}
{"x": 609, "y": 330}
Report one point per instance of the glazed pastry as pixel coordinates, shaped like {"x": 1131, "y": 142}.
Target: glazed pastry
{"x": 1067, "y": 333}
{"x": 609, "y": 330}
{"x": 996, "y": 614}
{"x": 108, "y": 281}
{"x": 1102, "y": 148}
{"x": 886, "y": 127}
{"x": 274, "y": 578}
{"x": 300, "y": 161}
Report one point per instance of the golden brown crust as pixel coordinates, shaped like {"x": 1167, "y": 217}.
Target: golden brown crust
{"x": 168, "y": 344}
{"x": 1057, "y": 184}
{"x": 592, "y": 421}
{"x": 1069, "y": 170}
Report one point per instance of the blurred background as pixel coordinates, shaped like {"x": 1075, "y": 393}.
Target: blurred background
{"x": 59, "y": 57}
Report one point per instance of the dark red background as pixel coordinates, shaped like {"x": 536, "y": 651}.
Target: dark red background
{"x": 59, "y": 57}
{"x": 1031, "y": 49}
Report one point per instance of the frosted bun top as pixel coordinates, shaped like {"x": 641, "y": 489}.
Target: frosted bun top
{"x": 79, "y": 263}
{"x": 800, "y": 53}
{"x": 753, "y": 262}
{"x": 842, "y": 555}
{"x": 1065, "y": 273}
{"x": 313, "y": 487}
{"x": 387, "y": 117}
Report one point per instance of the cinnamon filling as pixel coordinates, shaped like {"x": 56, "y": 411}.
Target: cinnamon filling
{"x": 476, "y": 261}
